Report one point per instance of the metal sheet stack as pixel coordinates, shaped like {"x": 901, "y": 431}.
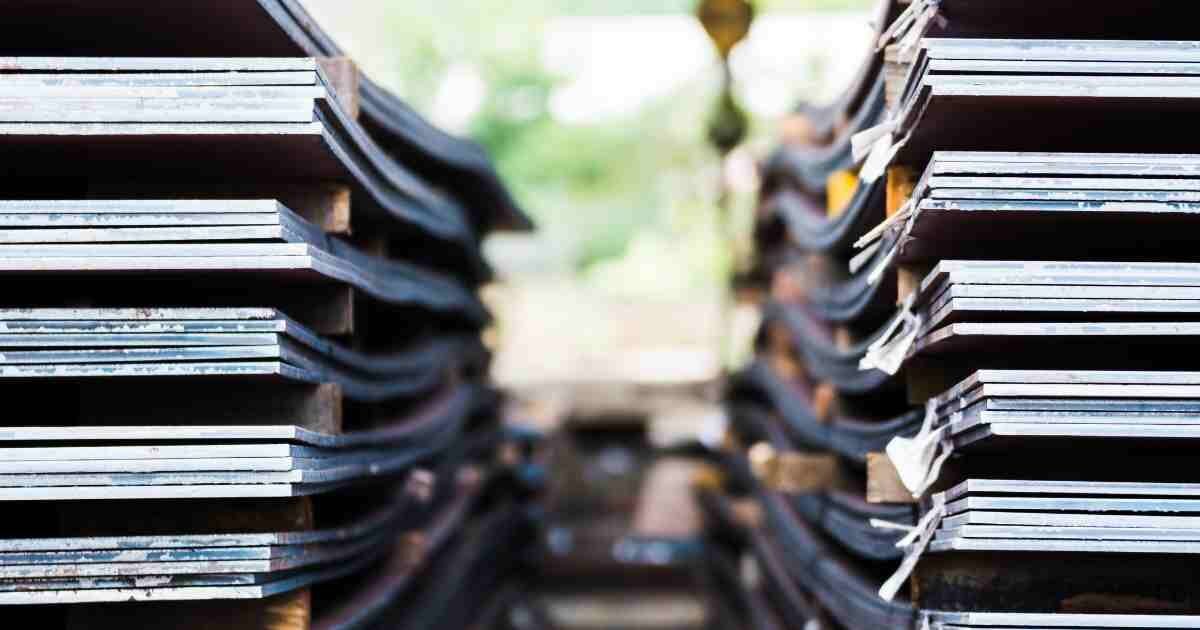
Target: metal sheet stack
{"x": 976, "y": 369}
{"x": 240, "y": 339}
{"x": 804, "y": 417}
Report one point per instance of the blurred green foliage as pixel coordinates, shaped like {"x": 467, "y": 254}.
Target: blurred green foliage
{"x": 644, "y": 178}
{"x": 644, "y": 7}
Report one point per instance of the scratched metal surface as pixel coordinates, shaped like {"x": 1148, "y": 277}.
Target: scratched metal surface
{"x": 29, "y": 345}
{"x": 332, "y": 261}
{"x": 178, "y": 111}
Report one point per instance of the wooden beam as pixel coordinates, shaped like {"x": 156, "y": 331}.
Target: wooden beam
{"x": 343, "y": 73}
{"x": 793, "y": 472}
{"x": 840, "y": 187}
{"x": 825, "y": 398}
{"x": 325, "y": 204}
{"x": 883, "y": 482}
{"x": 901, "y": 180}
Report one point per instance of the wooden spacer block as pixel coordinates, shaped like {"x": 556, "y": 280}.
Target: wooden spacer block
{"x": 901, "y": 180}
{"x": 883, "y": 482}
{"x": 908, "y": 280}
{"x": 343, "y": 73}
{"x": 792, "y": 472}
{"x": 839, "y": 190}
{"x": 824, "y": 399}
{"x": 800, "y": 473}
{"x": 325, "y": 204}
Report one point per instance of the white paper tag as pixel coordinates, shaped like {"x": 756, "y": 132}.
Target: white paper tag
{"x": 900, "y": 24}
{"x": 914, "y": 545}
{"x": 861, "y": 259}
{"x": 910, "y": 40}
{"x": 888, "y": 352}
{"x": 880, "y": 159}
{"x": 884, "y": 264}
{"x": 878, "y": 230}
{"x": 863, "y": 142}
{"x": 892, "y": 326}
{"x": 919, "y": 460}
{"x": 910, "y": 26}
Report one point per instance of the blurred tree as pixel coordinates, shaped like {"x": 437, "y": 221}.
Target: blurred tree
{"x": 598, "y": 185}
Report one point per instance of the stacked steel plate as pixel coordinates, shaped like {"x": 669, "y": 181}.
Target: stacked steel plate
{"x": 240, "y": 339}
{"x": 804, "y": 416}
{"x": 976, "y": 369}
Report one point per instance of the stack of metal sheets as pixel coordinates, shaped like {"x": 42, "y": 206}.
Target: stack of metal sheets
{"x": 1000, "y": 306}
{"x": 181, "y": 437}
{"x": 216, "y": 462}
{"x": 1077, "y": 205}
{"x": 804, "y": 394}
{"x": 957, "y": 290}
{"x": 1051, "y": 199}
{"x": 91, "y": 343}
{"x": 264, "y": 29}
{"x": 217, "y": 566}
{"x": 994, "y": 407}
{"x": 210, "y": 117}
{"x": 1039, "y": 94}
{"x": 91, "y": 569}
{"x": 261, "y": 237}
{"x": 1070, "y": 516}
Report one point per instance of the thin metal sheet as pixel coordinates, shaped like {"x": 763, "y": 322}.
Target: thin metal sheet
{"x": 1062, "y": 504}
{"x": 963, "y": 336}
{"x": 1070, "y": 533}
{"x": 1041, "y": 183}
{"x": 140, "y": 234}
{"x": 1075, "y": 621}
{"x": 101, "y": 370}
{"x": 1033, "y": 66}
{"x": 183, "y": 593}
{"x": 939, "y": 545}
{"x": 140, "y": 206}
{"x": 386, "y": 280}
{"x": 1062, "y": 49}
{"x": 1051, "y": 519}
{"x": 162, "y": 79}
{"x": 975, "y": 416}
{"x": 971, "y": 434}
{"x": 158, "y": 64}
{"x": 1089, "y": 488}
{"x": 305, "y": 557}
{"x": 1113, "y": 391}
{"x": 1132, "y": 407}
{"x": 1061, "y": 273}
